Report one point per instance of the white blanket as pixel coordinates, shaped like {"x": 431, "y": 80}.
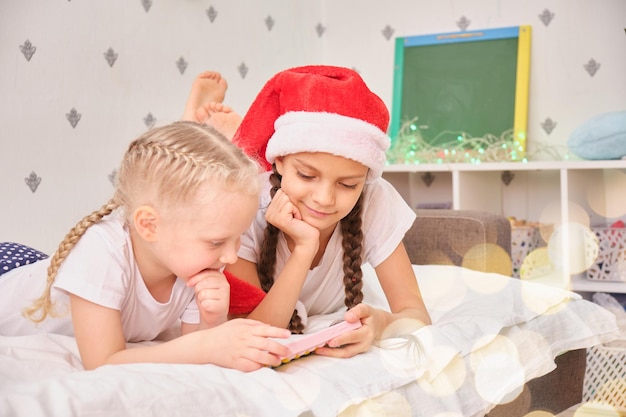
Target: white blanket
{"x": 490, "y": 335}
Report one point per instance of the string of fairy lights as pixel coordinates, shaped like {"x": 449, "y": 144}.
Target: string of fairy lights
{"x": 411, "y": 148}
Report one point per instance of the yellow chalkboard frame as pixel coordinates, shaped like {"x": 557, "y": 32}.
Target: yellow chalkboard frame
{"x": 519, "y": 102}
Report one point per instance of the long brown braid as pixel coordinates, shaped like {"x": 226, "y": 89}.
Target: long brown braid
{"x": 164, "y": 167}
{"x": 352, "y": 242}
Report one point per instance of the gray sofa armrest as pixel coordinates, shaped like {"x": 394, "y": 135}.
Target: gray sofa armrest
{"x": 482, "y": 241}
{"x": 474, "y": 239}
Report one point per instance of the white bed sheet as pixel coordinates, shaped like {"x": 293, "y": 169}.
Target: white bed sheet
{"x": 490, "y": 335}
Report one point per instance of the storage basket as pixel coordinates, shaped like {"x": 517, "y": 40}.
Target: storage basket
{"x": 610, "y": 265}
{"x": 605, "y": 375}
{"x": 524, "y": 239}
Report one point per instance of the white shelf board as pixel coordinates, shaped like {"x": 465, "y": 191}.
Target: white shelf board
{"x": 581, "y": 284}
{"x": 507, "y": 166}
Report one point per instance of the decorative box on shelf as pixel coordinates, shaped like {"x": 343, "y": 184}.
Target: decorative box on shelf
{"x": 610, "y": 265}
{"x": 525, "y": 238}
{"x": 605, "y": 375}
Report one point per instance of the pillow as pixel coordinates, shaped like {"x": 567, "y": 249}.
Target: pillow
{"x": 601, "y": 137}
{"x": 13, "y": 255}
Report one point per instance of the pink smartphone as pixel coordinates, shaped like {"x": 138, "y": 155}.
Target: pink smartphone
{"x": 301, "y": 345}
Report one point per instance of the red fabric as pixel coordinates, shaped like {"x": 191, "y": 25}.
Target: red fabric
{"x": 317, "y": 88}
{"x": 244, "y": 297}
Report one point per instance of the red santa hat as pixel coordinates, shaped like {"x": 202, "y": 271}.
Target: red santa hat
{"x": 244, "y": 297}
{"x": 317, "y": 109}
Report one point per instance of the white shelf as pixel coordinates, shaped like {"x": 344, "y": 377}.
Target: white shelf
{"x": 582, "y": 284}
{"x": 547, "y": 192}
{"x": 507, "y": 166}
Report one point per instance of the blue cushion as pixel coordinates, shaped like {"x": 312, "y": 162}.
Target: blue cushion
{"x": 13, "y": 255}
{"x": 601, "y": 137}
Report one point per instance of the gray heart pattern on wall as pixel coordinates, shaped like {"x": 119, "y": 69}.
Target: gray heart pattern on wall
{"x": 28, "y": 49}
{"x": 112, "y": 176}
{"x": 33, "y": 181}
{"x": 243, "y": 69}
{"x": 211, "y": 13}
{"x": 181, "y": 64}
{"x": 73, "y": 117}
{"x": 146, "y": 5}
{"x": 546, "y": 16}
{"x": 111, "y": 56}
{"x": 320, "y": 29}
{"x": 388, "y": 32}
{"x": 463, "y": 23}
{"x": 592, "y": 66}
{"x": 149, "y": 120}
{"x": 548, "y": 125}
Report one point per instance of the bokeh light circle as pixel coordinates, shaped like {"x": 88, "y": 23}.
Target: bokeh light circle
{"x": 574, "y": 246}
{"x": 608, "y": 199}
{"x": 439, "y": 283}
{"x": 488, "y": 257}
{"x": 597, "y": 409}
{"x": 448, "y": 382}
{"x": 387, "y": 404}
{"x": 537, "y": 264}
{"x": 498, "y": 371}
{"x": 539, "y": 413}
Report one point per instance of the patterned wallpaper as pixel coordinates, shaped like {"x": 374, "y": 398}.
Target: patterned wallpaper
{"x": 80, "y": 79}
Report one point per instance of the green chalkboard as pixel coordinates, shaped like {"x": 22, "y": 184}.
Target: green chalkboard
{"x": 462, "y": 82}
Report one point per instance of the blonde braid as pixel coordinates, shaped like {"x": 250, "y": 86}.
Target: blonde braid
{"x": 174, "y": 161}
{"x": 43, "y": 307}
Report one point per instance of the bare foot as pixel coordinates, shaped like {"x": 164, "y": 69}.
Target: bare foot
{"x": 221, "y": 117}
{"x": 208, "y": 87}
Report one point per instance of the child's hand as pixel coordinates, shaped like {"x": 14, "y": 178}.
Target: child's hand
{"x": 244, "y": 344}
{"x": 283, "y": 214}
{"x": 212, "y": 296}
{"x": 356, "y": 341}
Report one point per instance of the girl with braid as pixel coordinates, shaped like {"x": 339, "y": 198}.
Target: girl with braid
{"x": 152, "y": 260}
{"x": 324, "y": 209}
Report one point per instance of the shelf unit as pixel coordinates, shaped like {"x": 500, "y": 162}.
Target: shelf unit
{"x": 592, "y": 193}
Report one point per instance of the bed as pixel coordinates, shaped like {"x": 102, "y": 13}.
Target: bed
{"x": 492, "y": 336}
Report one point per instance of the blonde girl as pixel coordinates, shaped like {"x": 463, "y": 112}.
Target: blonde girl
{"x": 151, "y": 259}
{"x": 325, "y": 210}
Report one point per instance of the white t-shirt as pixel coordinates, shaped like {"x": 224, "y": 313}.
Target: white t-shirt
{"x": 386, "y": 218}
{"x": 100, "y": 268}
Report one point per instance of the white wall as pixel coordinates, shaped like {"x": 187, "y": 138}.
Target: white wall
{"x": 68, "y": 71}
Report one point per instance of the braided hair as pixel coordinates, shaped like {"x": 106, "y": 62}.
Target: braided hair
{"x": 352, "y": 243}
{"x": 164, "y": 167}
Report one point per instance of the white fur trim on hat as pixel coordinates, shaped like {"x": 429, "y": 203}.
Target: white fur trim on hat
{"x": 332, "y": 133}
